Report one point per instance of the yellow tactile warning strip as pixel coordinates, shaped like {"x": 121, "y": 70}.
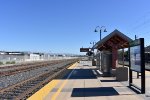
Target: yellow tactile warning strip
{"x": 72, "y": 67}
{"x": 63, "y": 84}
{"x": 39, "y": 95}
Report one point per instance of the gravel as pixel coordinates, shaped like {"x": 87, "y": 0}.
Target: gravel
{"x": 13, "y": 79}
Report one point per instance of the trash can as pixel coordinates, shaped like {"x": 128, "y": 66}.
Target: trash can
{"x": 98, "y": 60}
{"x": 106, "y": 63}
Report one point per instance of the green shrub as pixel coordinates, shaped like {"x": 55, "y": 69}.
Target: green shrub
{"x": 13, "y": 62}
{"x": 1, "y": 63}
{"x": 10, "y": 62}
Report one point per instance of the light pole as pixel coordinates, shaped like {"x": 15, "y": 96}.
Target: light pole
{"x": 102, "y": 28}
{"x": 92, "y": 46}
{"x": 92, "y": 50}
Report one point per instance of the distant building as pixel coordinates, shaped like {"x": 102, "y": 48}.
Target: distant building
{"x": 6, "y": 56}
{"x": 13, "y": 56}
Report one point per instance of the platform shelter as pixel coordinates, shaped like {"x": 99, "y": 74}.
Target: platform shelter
{"x": 112, "y": 42}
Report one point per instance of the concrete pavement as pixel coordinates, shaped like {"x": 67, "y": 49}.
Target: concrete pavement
{"x": 82, "y": 83}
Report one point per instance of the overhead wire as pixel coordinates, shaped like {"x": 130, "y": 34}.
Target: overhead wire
{"x": 142, "y": 23}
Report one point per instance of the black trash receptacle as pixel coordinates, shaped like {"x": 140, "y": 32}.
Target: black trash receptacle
{"x": 106, "y": 63}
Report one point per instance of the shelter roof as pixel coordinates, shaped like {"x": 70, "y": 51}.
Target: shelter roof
{"x": 115, "y": 38}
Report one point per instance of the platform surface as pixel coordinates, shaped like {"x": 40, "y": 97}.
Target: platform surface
{"x": 83, "y": 83}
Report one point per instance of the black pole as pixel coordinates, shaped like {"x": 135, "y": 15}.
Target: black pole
{"x": 142, "y": 66}
{"x": 135, "y": 37}
{"x": 100, "y": 34}
{"x": 130, "y": 71}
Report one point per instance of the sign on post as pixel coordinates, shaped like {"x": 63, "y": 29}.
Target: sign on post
{"x": 84, "y": 49}
{"x": 135, "y": 58}
{"x": 137, "y": 62}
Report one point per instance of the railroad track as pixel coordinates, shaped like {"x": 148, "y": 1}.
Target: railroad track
{"x": 24, "y": 89}
{"x": 19, "y": 75}
{"x": 25, "y": 67}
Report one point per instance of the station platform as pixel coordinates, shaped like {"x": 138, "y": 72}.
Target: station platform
{"x": 83, "y": 83}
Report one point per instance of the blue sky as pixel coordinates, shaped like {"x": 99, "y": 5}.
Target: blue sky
{"x": 63, "y": 26}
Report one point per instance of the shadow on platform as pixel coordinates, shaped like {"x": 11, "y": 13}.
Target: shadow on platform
{"x": 81, "y": 74}
{"x": 109, "y": 81}
{"x": 91, "y": 92}
{"x": 134, "y": 89}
